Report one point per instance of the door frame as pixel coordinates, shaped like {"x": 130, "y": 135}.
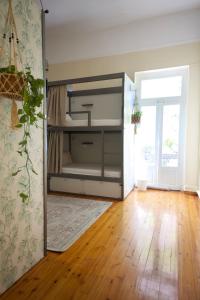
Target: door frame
{"x": 182, "y": 71}
{"x": 43, "y": 19}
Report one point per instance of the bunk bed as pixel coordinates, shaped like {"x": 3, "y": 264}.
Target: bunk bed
{"x": 98, "y": 138}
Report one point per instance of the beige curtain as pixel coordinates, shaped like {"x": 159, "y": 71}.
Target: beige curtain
{"x": 56, "y": 105}
{"x": 55, "y": 151}
{"x": 56, "y": 111}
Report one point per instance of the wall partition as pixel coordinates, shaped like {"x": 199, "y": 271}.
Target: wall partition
{"x": 21, "y": 226}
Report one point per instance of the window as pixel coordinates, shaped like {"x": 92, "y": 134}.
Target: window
{"x": 160, "y": 141}
{"x": 161, "y": 87}
{"x": 170, "y": 135}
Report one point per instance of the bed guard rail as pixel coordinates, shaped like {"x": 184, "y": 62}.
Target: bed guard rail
{"x": 82, "y": 112}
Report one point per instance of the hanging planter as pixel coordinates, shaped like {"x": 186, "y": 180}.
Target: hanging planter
{"x": 20, "y": 85}
{"x": 12, "y": 82}
{"x": 11, "y": 85}
{"x": 136, "y": 116}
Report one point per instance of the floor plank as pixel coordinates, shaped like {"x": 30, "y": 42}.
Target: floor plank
{"x": 146, "y": 247}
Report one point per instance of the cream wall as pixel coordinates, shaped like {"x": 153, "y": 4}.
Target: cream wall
{"x": 188, "y": 54}
{"x": 64, "y": 43}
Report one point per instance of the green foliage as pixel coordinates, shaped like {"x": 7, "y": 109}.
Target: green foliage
{"x": 11, "y": 70}
{"x": 32, "y": 96}
{"x": 137, "y": 114}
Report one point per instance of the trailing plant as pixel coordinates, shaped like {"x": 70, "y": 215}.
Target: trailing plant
{"x": 20, "y": 85}
{"x": 32, "y": 97}
{"x": 136, "y": 116}
{"x": 10, "y": 70}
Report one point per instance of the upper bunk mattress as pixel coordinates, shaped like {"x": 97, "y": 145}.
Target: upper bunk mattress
{"x": 98, "y": 122}
{"x": 91, "y": 169}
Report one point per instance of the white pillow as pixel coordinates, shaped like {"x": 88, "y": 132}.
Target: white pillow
{"x": 67, "y": 159}
{"x": 68, "y": 118}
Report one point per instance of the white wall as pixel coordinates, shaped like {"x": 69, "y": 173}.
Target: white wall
{"x": 64, "y": 45}
{"x": 193, "y": 129}
{"x": 188, "y": 54}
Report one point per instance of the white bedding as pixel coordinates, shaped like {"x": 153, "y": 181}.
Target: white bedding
{"x": 91, "y": 169}
{"x": 99, "y": 122}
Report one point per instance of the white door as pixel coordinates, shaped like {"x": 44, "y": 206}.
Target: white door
{"x": 160, "y": 137}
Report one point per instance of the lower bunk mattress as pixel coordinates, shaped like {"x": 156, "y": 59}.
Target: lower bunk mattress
{"x": 98, "y": 122}
{"x": 92, "y": 170}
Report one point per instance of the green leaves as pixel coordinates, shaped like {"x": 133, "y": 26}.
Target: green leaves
{"x": 41, "y": 115}
{"x": 29, "y": 115}
{"x": 137, "y": 114}
{"x": 19, "y": 125}
{"x": 10, "y": 69}
{"x": 20, "y": 111}
{"x": 27, "y": 134}
{"x": 33, "y": 119}
{"x": 23, "y": 119}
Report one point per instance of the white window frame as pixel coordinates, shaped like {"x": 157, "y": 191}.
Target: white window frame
{"x": 182, "y": 71}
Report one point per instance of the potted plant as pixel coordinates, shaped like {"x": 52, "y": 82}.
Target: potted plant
{"x": 29, "y": 90}
{"x": 21, "y": 85}
{"x": 136, "y": 116}
{"x": 11, "y": 83}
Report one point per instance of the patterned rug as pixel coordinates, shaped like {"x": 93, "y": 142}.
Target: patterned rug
{"x": 68, "y": 218}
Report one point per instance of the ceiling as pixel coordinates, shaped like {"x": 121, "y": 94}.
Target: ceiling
{"x": 93, "y": 15}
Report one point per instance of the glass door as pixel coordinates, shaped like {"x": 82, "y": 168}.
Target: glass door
{"x": 160, "y": 137}
{"x": 145, "y": 141}
{"x": 169, "y": 164}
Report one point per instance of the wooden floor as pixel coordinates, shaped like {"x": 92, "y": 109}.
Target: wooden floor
{"x": 147, "y": 247}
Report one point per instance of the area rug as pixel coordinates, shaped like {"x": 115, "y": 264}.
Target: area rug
{"x": 68, "y": 218}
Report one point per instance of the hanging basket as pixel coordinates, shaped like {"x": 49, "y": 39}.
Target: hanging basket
{"x": 11, "y": 86}
{"x": 135, "y": 119}
{"x": 11, "y": 80}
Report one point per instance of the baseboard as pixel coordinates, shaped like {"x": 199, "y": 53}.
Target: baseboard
{"x": 190, "y": 188}
{"x": 191, "y": 193}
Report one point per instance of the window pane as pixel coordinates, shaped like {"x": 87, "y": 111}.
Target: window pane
{"x": 145, "y": 145}
{"x": 170, "y": 142}
{"x": 161, "y": 87}
{"x": 170, "y": 162}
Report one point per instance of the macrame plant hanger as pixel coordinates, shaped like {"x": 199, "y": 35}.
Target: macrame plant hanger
{"x": 12, "y": 84}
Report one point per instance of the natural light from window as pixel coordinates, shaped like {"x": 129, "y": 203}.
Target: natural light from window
{"x": 161, "y": 87}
